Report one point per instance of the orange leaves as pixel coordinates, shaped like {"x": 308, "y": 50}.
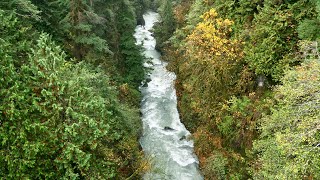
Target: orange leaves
{"x": 180, "y": 10}
{"x": 205, "y": 143}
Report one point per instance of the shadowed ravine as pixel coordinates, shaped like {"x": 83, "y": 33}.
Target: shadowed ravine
{"x": 165, "y": 138}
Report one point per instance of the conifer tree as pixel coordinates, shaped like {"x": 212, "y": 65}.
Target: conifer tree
{"x": 309, "y": 28}
{"x": 60, "y": 119}
{"x": 131, "y": 59}
{"x": 80, "y": 23}
{"x": 23, "y": 8}
{"x": 165, "y": 28}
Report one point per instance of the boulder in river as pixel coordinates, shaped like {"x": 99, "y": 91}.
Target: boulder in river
{"x": 167, "y": 128}
{"x": 183, "y": 138}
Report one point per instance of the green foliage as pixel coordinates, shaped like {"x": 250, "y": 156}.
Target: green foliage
{"x": 196, "y": 10}
{"x": 213, "y": 69}
{"x": 79, "y": 24}
{"x": 289, "y": 142}
{"x": 216, "y": 166}
{"x": 23, "y": 8}
{"x": 98, "y": 32}
{"x": 131, "y": 63}
{"x": 164, "y": 29}
{"x": 218, "y": 58}
{"x": 236, "y": 124}
{"x": 269, "y": 43}
{"x": 241, "y": 11}
{"x": 50, "y": 14}
{"x": 231, "y": 126}
{"x": 61, "y": 120}
{"x": 308, "y": 28}
{"x": 141, "y": 6}
{"x": 166, "y": 11}
{"x": 274, "y": 36}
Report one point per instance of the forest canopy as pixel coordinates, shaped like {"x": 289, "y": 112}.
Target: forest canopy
{"x": 247, "y": 84}
{"x": 69, "y": 99}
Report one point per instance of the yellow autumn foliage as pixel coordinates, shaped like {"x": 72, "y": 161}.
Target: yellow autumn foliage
{"x": 211, "y": 37}
{"x": 212, "y": 64}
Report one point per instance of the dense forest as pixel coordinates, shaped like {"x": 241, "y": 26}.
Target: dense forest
{"x": 69, "y": 99}
{"x": 248, "y": 84}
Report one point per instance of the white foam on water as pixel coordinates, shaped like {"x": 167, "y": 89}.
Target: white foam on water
{"x": 165, "y": 138}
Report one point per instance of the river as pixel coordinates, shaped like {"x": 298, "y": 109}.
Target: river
{"x": 165, "y": 139}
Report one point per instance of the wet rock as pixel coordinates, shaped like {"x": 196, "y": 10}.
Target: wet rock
{"x": 141, "y": 21}
{"x": 168, "y": 128}
{"x": 183, "y": 138}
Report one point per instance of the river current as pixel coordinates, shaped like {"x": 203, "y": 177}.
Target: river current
{"x": 165, "y": 139}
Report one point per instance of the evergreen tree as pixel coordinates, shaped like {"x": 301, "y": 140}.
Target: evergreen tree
{"x": 59, "y": 119}
{"x": 309, "y": 28}
{"x": 62, "y": 120}
{"x": 165, "y": 28}
{"x": 79, "y": 23}
{"x": 23, "y": 8}
{"x": 131, "y": 63}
